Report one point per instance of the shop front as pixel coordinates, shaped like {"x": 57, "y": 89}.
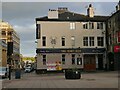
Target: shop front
{"x": 88, "y": 59}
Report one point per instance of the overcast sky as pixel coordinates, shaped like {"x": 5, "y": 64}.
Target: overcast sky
{"x": 21, "y": 15}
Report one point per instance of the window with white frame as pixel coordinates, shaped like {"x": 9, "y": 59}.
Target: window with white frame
{"x": 63, "y": 41}
{"x": 73, "y": 40}
{"x": 85, "y": 25}
{"x": 44, "y": 41}
{"x": 99, "y": 25}
{"x": 85, "y": 41}
{"x": 91, "y": 41}
{"x": 100, "y": 41}
{"x": 91, "y": 25}
{"x": 72, "y": 25}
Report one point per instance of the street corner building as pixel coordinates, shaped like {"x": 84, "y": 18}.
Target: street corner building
{"x": 67, "y": 40}
{"x": 10, "y": 43}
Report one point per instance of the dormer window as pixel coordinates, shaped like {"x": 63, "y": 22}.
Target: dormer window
{"x": 91, "y": 25}
{"x": 99, "y": 25}
{"x": 72, "y": 25}
{"x": 85, "y": 26}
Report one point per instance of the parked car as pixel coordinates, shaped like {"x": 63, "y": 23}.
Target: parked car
{"x": 4, "y": 72}
{"x": 28, "y": 69}
{"x": 30, "y": 65}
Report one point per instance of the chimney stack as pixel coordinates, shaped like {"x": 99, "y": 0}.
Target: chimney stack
{"x": 118, "y": 6}
{"x": 90, "y": 11}
{"x": 62, "y": 9}
{"x": 52, "y": 14}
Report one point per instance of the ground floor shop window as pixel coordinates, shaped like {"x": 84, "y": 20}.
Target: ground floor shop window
{"x": 100, "y": 41}
{"x": 79, "y": 61}
{"x": 73, "y": 58}
{"x": 44, "y": 59}
{"x": 63, "y": 59}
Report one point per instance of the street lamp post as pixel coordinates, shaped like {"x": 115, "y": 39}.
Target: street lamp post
{"x": 9, "y": 65}
{"x": 9, "y": 54}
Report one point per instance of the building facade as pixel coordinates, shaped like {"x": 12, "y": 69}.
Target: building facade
{"x": 8, "y": 34}
{"x": 3, "y": 53}
{"x": 113, "y": 39}
{"x": 71, "y": 40}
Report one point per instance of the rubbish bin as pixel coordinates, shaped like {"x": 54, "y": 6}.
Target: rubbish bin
{"x": 17, "y": 74}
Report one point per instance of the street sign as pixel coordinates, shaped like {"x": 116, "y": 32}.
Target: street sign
{"x": 116, "y": 48}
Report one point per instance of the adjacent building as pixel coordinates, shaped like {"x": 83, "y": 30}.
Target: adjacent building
{"x": 8, "y": 34}
{"x": 68, "y": 40}
{"x": 113, "y": 39}
{"x": 3, "y": 52}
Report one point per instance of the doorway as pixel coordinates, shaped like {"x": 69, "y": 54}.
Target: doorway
{"x": 100, "y": 61}
{"x": 89, "y": 63}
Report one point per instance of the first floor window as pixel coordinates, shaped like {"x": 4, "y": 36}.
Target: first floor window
{"x": 44, "y": 41}
{"x": 3, "y": 33}
{"x": 85, "y": 26}
{"x": 100, "y": 41}
{"x": 63, "y": 59}
{"x": 9, "y": 33}
{"x": 85, "y": 41}
{"x": 99, "y": 25}
{"x": 119, "y": 37}
{"x": 91, "y": 41}
{"x": 44, "y": 59}
{"x": 73, "y": 58}
{"x": 91, "y": 25}
{"x": 79, "y": 61}
{"x": 63, "y": 41}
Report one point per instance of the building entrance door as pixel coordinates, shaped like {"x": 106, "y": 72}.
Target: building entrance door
{"x": 89, "y": 63}
{"x": 100, "y": 61}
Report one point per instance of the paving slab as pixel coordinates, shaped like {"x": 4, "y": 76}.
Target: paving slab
{"x": 88, "y": 80}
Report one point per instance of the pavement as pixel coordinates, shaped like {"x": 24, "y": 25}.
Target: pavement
{"x": 88, "y": 80}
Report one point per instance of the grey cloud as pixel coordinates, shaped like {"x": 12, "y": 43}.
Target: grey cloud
{"x": 22, "y": 10}
{"x": 22, "y": 16}
{"x": 104, "y": 8}
{"x": 28, "y": 48}
{"x": 26, "y": 33}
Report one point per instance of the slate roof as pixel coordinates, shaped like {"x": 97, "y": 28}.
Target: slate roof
{"x": 70, "y": 16}
{"x": 116, "y": 13}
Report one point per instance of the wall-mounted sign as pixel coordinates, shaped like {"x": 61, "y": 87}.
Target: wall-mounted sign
{"x": 116, "y": 48}
{"x": 71, "y": 50}
{"x": 58, "y": 51}
{"x": 54, "y": 66}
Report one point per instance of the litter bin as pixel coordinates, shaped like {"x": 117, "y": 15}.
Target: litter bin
{"x": 17, "y": 74}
